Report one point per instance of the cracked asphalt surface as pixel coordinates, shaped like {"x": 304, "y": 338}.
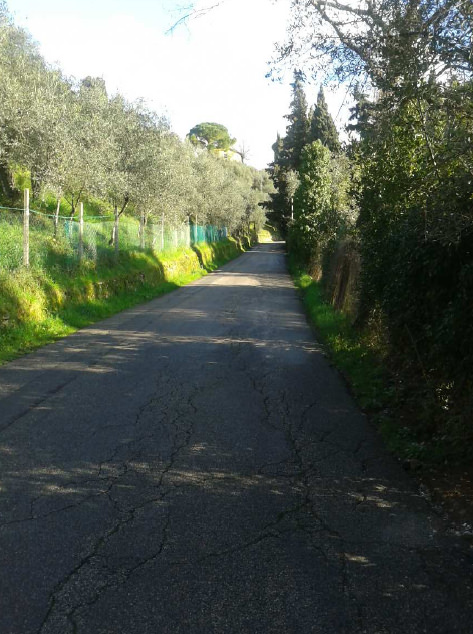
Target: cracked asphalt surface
{"x": 194, "y": 465}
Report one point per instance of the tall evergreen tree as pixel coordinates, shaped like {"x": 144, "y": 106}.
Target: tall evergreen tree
{"x": 278, "y": 149}
{"x": 298, "y": 128}
{"x": 277, "y": 205}
{"x": 322, "y": 127}
{"x": 315, "y": 220}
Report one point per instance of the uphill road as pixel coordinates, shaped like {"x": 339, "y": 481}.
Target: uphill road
{"x": 195, "y": 465}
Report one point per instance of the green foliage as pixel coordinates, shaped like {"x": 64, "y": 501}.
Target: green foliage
{"x": 360, "y": 365}
{"x": 290, "y": 162}
{"x": 322, "y": 127}
{"x": 411, "y": 181}
{"x": 313, "y": 222}
{"x": 279, "y": 210}
{"x": 391, "y": 44}
{"x": 416, "y": 230}
{"x": 321, "y": 204}
{"x": 72, "y": 142}
{"x": 291, "y": 178}
{"x": 287, "y": 156}
{"x": 297, "y": 130}
{"x": 40, "y": 306}
{"x": 212, "y": 136}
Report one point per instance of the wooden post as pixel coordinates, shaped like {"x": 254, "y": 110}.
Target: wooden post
{"x": 56, "y": 217}
{"x": 26, "y": 227}
{"x": 81, "y": 231}
{"x": 115, "y": 231}
{"x": 162, "y": 232}
{"x": 142, "y": 230}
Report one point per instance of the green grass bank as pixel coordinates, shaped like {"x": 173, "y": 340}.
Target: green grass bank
{"x": 40, "y": 305}
{"x": 438, "y": 463}
{"x": 364, "y": 367}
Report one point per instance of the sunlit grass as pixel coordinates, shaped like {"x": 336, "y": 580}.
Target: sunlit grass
{"x": 360, "y": 366}
{"x": 40, "y": 305}
{"x": 360, "y": 356}
{"x": 359, "y": 361}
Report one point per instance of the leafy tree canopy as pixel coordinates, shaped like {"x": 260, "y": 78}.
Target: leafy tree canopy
{"x": 392, "y": 44}
{"x": 77, "y": 142}
{"x": 213, "y": 136}
{"x": 409, "y": 65}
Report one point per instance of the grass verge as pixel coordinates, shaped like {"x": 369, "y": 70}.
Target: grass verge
{"x": 449, "y": 482}
{"x": 362, "y": 366}
{"x": 39, "y": 306}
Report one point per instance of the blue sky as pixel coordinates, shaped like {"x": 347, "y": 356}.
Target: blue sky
{"x": 212, "y": 69}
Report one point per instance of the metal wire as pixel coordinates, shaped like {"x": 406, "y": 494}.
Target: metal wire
{"x": 54, "y": 240}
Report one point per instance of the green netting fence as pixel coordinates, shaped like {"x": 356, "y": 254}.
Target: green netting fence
{"x": 207, "y": 233}
{"x": 55, "y": 240}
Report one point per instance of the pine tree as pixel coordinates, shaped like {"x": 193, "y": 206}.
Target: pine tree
{"x": 322, "y": 127}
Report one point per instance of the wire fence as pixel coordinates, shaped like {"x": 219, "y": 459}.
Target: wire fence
{"x": 37, "y": 239}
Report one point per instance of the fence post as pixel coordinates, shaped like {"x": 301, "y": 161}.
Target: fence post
{"x": 142, "y": 230}
{"x": 56, "y": 217}
{"x": 115, "y": 231}
{"x": 162, "y": 232}
{"x": 81, "y": 231}
{"x": 26, "y": 227}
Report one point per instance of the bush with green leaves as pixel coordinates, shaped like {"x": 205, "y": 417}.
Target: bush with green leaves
{"x": 411, "y": 70}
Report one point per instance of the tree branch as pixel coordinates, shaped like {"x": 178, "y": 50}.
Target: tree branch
{"x": 193, "y": 14}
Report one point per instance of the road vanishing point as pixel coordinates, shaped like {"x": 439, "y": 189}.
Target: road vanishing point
{"x": 195, "y": 465}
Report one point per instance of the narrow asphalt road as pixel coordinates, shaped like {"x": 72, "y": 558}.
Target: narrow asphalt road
{"x": 194, "y": 465}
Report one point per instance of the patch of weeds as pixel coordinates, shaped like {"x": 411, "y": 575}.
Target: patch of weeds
{"x": 362, "y": 366}
{"x": 29, "y": 336}
{"x": 42, "y": 304}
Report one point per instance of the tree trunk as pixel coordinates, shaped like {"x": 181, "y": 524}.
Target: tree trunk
{"x": 73, "y": 207}
{"x": 35, "y": 187}
{"x": 5, "y": 183}
{"x": 114, "y": 237}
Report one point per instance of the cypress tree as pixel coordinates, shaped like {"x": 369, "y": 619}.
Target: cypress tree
{"x": 322, "y": 127}
{"x": 278, "y": 149}
{"x": 287, "y": 154}
{"x": 278, "y": 203}
{"x": 298, "y": 128}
